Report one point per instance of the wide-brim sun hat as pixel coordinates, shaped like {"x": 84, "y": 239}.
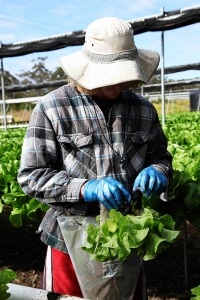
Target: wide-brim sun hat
{"x": 109, "y": 56}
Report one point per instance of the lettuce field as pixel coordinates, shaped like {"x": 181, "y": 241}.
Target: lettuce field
{"x": 10, "y": 191}
{"x": 183, "y": 134}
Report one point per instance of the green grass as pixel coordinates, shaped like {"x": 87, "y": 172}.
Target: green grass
{"x": 176, "y": 106}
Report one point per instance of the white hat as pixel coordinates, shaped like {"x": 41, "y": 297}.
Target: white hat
{"x": 109, "y": 56}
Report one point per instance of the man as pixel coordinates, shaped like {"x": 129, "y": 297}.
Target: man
{"x": 94, "y": 141}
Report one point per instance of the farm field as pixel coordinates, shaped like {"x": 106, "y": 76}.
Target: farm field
{"x": 176, "y": 106}
{"x": 23, "y": 252}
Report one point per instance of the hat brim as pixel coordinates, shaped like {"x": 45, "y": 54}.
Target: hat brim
{"x": 94, "y": 75}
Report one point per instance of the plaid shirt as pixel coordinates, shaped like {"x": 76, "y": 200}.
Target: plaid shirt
{"x": 68, "y": 141}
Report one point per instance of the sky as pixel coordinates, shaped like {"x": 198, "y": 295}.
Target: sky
{"x": 22, "y": 20}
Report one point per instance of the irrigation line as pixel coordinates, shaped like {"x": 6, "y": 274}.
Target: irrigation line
{"x": 163, "y": 75}
{"x": 185, "y": 251}
{"x": 3, "y": 93}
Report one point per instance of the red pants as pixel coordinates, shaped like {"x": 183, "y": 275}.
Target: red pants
{"x": 59, "y": 275}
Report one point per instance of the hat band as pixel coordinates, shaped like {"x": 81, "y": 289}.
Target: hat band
{"x": 107, "y": 58}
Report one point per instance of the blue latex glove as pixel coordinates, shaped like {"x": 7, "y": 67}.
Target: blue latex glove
{"x": 110, "y": 192}
{"x": 150, "y": 182}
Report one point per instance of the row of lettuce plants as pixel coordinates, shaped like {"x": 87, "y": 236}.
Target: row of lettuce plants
{"x": 11, "y": 193}
{"x": 183, "y": 134}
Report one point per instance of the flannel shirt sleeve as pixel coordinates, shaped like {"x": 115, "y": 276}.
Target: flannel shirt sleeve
{"x": 38, "y": 175}
{"x": 157, "y": 155}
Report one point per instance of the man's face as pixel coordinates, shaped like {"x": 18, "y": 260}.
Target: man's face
{"x": 111, "y": 91}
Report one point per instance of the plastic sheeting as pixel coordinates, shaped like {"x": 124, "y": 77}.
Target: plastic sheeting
{"x": 58, "y": 83}
{"x": 161, "y": 22}
{"x": 112, "y": 280}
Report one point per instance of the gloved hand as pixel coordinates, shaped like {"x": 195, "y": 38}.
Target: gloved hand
{"x": 150, "y": 182}
{"x": 110, "y": 192}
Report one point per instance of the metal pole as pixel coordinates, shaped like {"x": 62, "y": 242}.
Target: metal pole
{"x": 142, "y": 90}
{"x": 185, "y": 251}
{"x": 198, "y": 106}
{"x": 162, "y": 76}
{"x": 3, "y": 92}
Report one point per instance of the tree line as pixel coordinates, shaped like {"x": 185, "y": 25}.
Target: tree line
{"x": 39, "y": 73}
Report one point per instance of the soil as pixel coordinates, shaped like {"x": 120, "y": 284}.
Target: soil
{"x": 170, "y": 276}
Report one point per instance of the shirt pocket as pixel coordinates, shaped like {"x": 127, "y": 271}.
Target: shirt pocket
{"x": 137, "y": 148}
{"x": 78, "y": 157}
